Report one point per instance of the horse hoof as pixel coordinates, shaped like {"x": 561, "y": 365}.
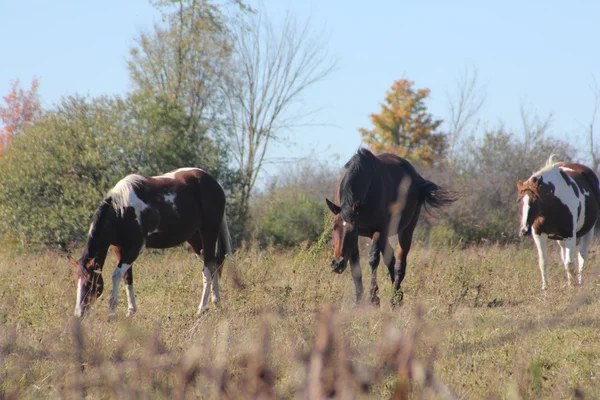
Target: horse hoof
{"x": 397, "y": 298}
{"x": 130, "y": 313}
{"x": 376, "y": 301}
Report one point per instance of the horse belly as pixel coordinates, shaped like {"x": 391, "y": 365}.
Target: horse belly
{"x": 170, "y": 234}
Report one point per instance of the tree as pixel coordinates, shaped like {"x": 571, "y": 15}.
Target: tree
{"x": 48, "y": 197}
{"x": 488, "y": 167}
{"x": 276, "y": 64}
{"x": 186, "y": 59}
{"x": 404, "y": 126}
{"x": 464, "y": 104}
{"x": 21, "y": 109}
{"x": 594, "y": 150}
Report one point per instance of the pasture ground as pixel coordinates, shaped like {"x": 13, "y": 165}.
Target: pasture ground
{"x": 473, "y": 322}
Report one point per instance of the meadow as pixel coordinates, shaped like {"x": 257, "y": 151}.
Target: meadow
{"x": 473, "y": 324}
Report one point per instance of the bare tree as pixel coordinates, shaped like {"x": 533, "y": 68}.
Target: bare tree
{"x": 594, "y": 149}
{"x": 276, "y": 64}
{"x": 464, "y": 104}
{"x": 534, "y": 129}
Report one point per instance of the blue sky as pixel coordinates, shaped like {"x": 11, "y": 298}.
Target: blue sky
{"x": 544, "y": 54}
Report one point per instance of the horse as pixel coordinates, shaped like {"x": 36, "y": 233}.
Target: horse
{"x": 560, "y": 202}
{"x": 379, "y": 196}
{"x": 185, "y": 205}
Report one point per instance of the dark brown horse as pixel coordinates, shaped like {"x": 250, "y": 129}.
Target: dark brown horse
{"x": 560, "y": 202}
{"x": 186, "y": 205}
{"x": 379, "y": 196}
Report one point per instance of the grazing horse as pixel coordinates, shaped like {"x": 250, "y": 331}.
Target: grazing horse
{"x": 186, "y": 205}
{"x": 379, "y": 196}
{"x": 560, "y": 202}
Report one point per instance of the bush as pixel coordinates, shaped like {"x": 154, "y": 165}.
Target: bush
{"x": 292, "y": 209}
{"x": 489, "y": 170}
{"x": 56, "y": 172}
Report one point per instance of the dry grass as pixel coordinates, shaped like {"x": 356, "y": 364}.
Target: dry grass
{"x": 474, "y": 324}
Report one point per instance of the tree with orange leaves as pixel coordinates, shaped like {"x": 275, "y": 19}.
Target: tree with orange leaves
{"x": 20, "y": 109}
{"x": 404, "y": 127}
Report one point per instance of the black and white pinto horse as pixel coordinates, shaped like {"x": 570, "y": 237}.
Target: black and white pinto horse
{"x": 186, "y": 205}
{"x": 379, "y": 196}
{"x": 560, "y": 202}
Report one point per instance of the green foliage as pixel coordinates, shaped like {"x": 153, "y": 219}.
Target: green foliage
{"x": 290, "y": 218}
{"x": 56, "y": 171}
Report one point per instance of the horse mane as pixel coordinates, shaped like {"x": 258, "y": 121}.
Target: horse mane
{"x": 121, "y": 193}
{"x": 550, "y": 163}
{"x": 89, "y": 251}
{"x": 361, "y": 160}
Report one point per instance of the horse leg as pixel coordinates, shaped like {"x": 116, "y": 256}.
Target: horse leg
{"x": 541, "y": 244}
{"x": 356, "y": 274}
{"x": 569, "y": 259}
{"x": 374, "y": 257}
{"x": 208, "y": 239}
{"x": 584, "y": 246}
{"x": 128, "y": 278}
{"x": 215, "y": 296}
{"x": 126, "y": 259}
{"x": 404, "y": 243}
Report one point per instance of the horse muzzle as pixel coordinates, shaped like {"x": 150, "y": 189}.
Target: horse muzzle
{"x": 338, "y": 266}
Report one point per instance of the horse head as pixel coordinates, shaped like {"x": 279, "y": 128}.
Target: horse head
{"x": 89, "y": 283}
{"x": 344, "y": 235}
{"x": 528, "y": 198}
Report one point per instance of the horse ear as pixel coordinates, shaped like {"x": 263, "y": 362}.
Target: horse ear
{"x": 73, "y": 261}
{"x": 334, "y": 209}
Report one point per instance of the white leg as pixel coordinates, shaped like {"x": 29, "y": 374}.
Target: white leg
{"x": 116, "y": 279}
{"x": 563, "y": 250}
{"x": 569, "y": 260}
{"x": 132, "y": 308}
{"x": 79, "y": 301}
{"x": 584, "y": 246}
{"x": 206, "y": 277}
{"x": 541, "y": 244}
{"x": 215, "y": 289}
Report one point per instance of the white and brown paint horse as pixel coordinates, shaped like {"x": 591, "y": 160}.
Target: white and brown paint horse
{"x": 186, "y": 205}
{"x": 379, "y": 196}
{"x": 560, "y": 202}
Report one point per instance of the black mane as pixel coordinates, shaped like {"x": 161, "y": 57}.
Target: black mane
{"x": 93, "y": 245}
{"x": 356, "y": 181}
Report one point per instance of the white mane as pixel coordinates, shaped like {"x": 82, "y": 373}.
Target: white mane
{"x": 550, "y": 163}
{"x": 124, "y": 196}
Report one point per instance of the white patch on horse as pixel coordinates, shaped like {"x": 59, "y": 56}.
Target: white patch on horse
{"x": 525, "y": 212}
{"x": 206, "y": 278}
{"x": 565, "y": 194}
{"x": 79, "y": 300}
{"x": 131, "y": 307}
{"x": 117, "y": 275}
{"x": 169, "y": 198}
{"x": 171, "y": 175}
{"x": 123, "y": 196}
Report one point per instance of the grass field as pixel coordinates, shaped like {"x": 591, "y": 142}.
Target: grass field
{"x": 474, "y": 324}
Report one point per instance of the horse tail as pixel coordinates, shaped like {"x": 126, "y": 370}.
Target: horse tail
{"x": 223, "y": 242}
{"x": 434, "y": 195}
{"x": 592, "y": 178}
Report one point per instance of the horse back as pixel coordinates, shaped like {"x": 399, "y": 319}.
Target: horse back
{"x": 589, "y": 187}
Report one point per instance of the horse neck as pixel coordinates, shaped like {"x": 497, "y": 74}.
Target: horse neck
{"x": 101, "y": 235}
{"x": 355, "y": 186}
